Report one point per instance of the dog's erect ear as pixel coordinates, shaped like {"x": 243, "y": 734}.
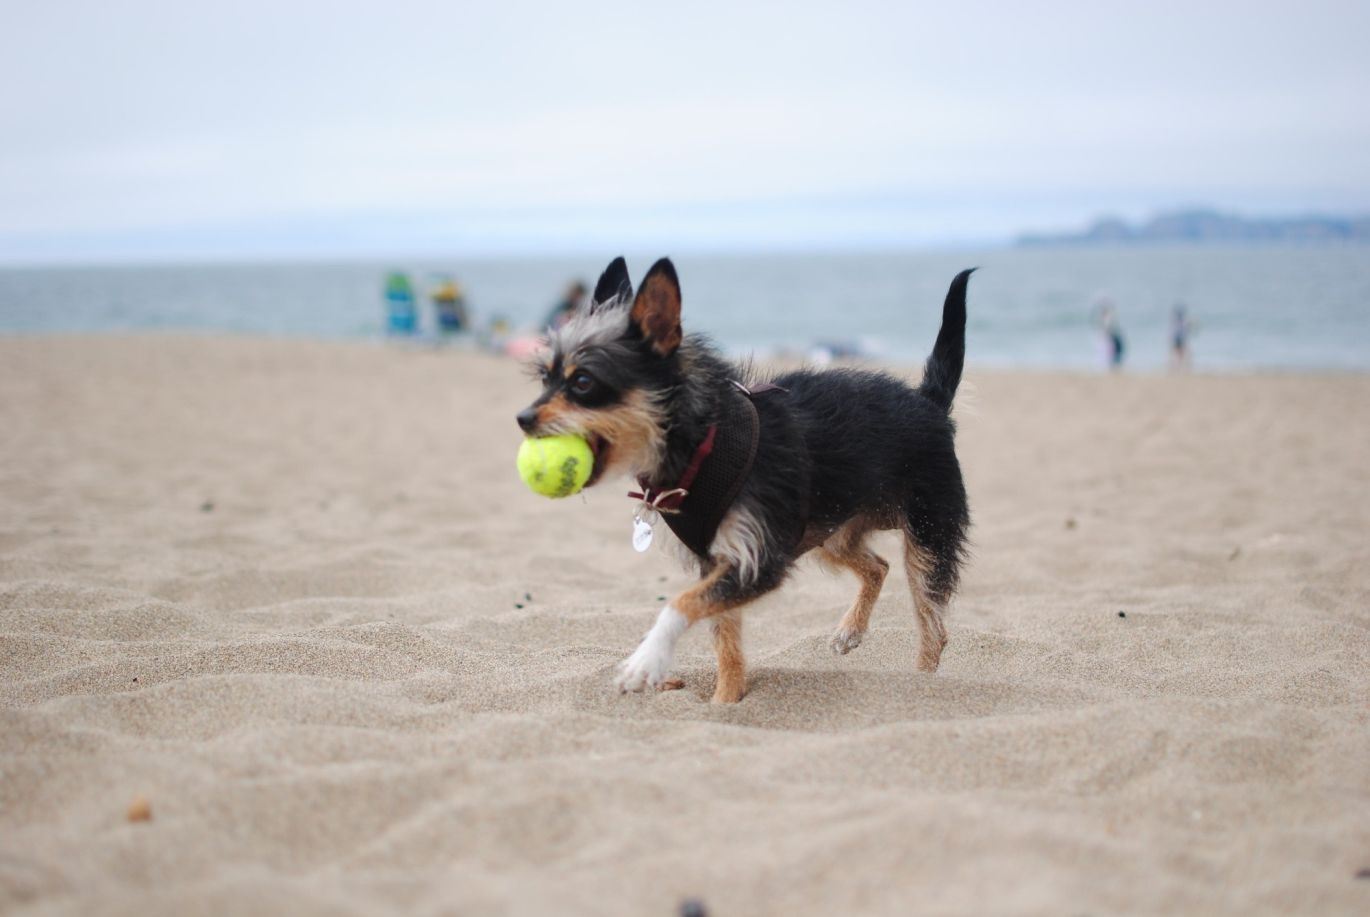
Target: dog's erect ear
{"x": 613, "y": 283}
{"x": 656, "y": 311}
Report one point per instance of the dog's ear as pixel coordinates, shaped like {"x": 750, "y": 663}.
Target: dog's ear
{"x": 614, "y": 284}
{"x": 656, "y": 311}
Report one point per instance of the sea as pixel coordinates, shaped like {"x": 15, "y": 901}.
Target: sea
{"x": 1280, "y": 307}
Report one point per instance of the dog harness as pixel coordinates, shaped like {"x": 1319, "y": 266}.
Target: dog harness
{"x": 695, "y": 507}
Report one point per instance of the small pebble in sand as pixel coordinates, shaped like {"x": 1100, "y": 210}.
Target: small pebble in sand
{"x": 518, "y": 604}
{"x": 207, "y": 506}
{"x": 1122, "y": 614}
{"x": 693, "y": 907}
{"x": 139, "y": 809}
{"x": 1070, "y": 522}
{"x": 1363, "y": 873}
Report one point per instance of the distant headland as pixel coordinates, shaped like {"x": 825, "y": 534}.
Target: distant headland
{"x": 1211, "y": 226}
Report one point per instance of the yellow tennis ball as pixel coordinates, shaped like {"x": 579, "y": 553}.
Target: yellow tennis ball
{"x": 555, "y": 466}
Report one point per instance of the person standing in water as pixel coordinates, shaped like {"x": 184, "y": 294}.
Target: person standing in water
{"x": 1106, "y": 316}
{"x": 1181, "y": 328}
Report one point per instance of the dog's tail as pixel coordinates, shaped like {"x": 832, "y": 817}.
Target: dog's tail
{"x": 943, "y": 372}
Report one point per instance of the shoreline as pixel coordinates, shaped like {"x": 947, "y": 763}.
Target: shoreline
{"x": 437, "y": 346}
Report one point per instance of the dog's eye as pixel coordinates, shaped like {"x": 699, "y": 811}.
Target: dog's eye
{"x": 582, "y": 384}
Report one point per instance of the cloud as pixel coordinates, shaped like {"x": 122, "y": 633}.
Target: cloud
{"x": 156, "y": 115}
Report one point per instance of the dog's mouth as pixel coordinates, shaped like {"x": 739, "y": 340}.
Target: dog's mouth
{"x": 599, "y": 446}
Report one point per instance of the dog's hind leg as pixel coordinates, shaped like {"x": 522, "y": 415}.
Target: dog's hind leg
{"x": 932, "y": 581}
{"x": 847, "y": 548}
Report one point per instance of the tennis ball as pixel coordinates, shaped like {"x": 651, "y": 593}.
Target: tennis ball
{"x": 555, "y": 466}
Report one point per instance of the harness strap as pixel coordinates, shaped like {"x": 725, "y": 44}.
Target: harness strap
{"x": 719, "y": 468}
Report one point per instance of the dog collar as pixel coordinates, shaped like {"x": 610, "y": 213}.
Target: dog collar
{"x": 695, "y": 507}
{"x": 669, "y": 501}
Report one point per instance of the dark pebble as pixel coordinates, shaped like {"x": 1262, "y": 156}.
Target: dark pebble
{"x": 528, "y": 596}
{"x": 207, "y": 506}
{"x": 693, "y": 907}
{"x": 518, "y": 604}
{"x": 1363, "y": 873}
{"x": 1122, "y": 614}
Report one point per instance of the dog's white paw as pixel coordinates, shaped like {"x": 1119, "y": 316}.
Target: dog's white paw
{"x": 645, "y": 669}
{"x": 846, "y": 640}
{"x": 651, "y": 661}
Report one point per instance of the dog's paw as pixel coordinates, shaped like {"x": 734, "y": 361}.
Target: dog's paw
{"x": 650, "y": 662}
{"x": 845, "y": 640}
{"x": 646, "y": 669}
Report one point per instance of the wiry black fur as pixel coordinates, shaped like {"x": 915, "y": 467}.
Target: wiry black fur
{"x": 614, "y": 284}
{"x": 836, "y": 445}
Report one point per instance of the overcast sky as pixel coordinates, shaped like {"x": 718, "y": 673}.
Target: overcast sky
{"x": 149, "y": 130}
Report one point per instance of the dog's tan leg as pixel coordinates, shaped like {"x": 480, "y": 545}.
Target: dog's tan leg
{"x": 846, "y": 548}
{"x": 732, "y": 677}
{"x": 929, "y": 606}
{"x": 648, "y": 665}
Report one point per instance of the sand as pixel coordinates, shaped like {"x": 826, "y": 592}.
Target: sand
{"x": 291, "y": 598}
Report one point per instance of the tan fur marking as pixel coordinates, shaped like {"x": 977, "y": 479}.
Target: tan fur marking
{"x": 696, "y": 604}
{"x": 732, "y": 675}
{"x": 933, "y": 632}
{"x": 847, "y": 548}
{"x": 632, "y": 429}
{"x": 657, "y": 312}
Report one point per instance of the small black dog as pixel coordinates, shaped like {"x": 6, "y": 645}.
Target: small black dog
{"x": 752, "y": 474}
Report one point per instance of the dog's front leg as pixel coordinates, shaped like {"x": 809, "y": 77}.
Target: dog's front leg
{"x": 732, "y": 668}
{"x": 651, "y": 661}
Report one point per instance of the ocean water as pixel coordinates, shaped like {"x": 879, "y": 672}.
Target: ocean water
{"x": 1256, "y": 307}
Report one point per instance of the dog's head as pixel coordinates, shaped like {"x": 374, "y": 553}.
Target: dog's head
{"x": 609, "y": 370}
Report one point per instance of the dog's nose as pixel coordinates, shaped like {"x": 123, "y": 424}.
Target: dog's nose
{"x": 528, "y": 419}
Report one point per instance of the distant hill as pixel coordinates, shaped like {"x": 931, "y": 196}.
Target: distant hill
{"x": 1211, "y": 226}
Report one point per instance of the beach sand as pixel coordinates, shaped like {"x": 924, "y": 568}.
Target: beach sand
{"x": 290, "y": 602}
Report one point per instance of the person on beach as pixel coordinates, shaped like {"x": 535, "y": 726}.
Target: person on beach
{"x": 1106, "y": 317}
{"x": 561, "y": 313}
{"x": 1181, "y": 328}
{"x": 402, "y": 317}
{"x": 449, "y": 306}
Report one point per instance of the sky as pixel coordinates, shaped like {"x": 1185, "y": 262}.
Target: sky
{"x": 151, "y": 131}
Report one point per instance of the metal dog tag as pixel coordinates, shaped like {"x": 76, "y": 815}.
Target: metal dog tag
{"x": 642, "y": 531}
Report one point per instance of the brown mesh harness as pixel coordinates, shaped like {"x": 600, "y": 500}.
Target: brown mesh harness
{"x": 695, "y": 507}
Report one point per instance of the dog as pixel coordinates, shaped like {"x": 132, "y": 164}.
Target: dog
{"x": 751, "y": 474}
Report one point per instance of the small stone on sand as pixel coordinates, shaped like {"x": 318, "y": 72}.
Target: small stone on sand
{"x": 139, "y": 809}
{"x": 693, "y": 907}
